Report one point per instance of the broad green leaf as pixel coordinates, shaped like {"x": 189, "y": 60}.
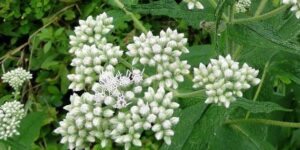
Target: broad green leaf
{"x": 199, "y": 53}
{"x": 47, "y": 46}
{"x": 30, "y": 129}
{"x": 188, "y": 117}
{"x": 171, "y": 9}
{"x": 258, "y": 107}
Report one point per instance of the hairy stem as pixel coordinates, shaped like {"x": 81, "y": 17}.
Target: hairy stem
{"x": 260, "y": 7}
{"x": 262, "y": 17}
{"x": 259, "y": 86}
{"x": 139, "y": 25}
{"x": 265, "y": 122}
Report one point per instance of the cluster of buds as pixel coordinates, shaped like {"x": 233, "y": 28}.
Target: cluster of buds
{"x": 90, "y": 61}
{"x": 162, "y": 52}
{"x": 194, "y": 4}
{"x": 91, "y": 32}
{"x": 15, "y": 78}
{"x": 86, "y": 122}
{"x": 242, "y": 6}
{"x": 224, "y": 80}
{"x": 92, "y": 52}
{"x": 114, "y": 107}
{"x": 295, "y": 8}
{"x": 11, "y": 114}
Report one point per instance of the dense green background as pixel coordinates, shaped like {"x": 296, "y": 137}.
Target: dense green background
{"x": 34, "y": 35}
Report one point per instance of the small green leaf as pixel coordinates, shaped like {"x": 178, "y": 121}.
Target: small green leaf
{"x": 47, "y": 46}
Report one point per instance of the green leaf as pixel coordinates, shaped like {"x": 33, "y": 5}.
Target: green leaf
{"x": 188, "y": 117}
{"x": 171, "y": 9}
{"x": 199, "y": 53}
{"x": 47, "y": 46}
{"x": 30, "y": 129}
{"x": 258, "y": 107}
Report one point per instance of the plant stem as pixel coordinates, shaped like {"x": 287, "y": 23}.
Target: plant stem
{"x": 260, "y": 7}
{"x": 190, "y": 94}
{"x": 214, "y": 5}
{"x": 265, "y": 122}
{"x": 138, "y": 23}
{"x": 262, "y": 17}
{"x": 260, "y": 85}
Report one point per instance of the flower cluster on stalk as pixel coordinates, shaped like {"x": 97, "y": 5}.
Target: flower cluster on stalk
{"x": 11, "y": 114}
{"x": 119, "y": 106}
{"x": 242, "y": 6}
{"x": 224, "y": 80}
{"x": 15, "y": 78}
{"x": 295, "y": 6}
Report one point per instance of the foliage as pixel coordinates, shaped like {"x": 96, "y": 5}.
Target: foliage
{"x": 35, "y": 34}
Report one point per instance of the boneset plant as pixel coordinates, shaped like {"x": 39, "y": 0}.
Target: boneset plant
{"x": 12, "y": 112}
{"x": 121, "y": 101}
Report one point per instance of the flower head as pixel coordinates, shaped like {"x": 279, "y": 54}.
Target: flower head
{"x": 295, "y": 8}
{"x": 242, "y": 5}
{"x": 15, "y": 78}
{"x": 11, "y": 114}
{"x": 224, "y": 80}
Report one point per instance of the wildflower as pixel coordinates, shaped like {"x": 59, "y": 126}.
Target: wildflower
{"x": 295, "y": 6}
{"x": 242, "y": 5}
{"x": 11, "y": 114}
{"x": 224, "y": 80}
{"x": 15, "y": 78}
{"x": 194, "y": 4}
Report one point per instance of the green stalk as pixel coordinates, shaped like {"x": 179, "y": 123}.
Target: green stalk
{"x": 214, "y": 5}
{"x": 260, "y": 7}
{"x": 262, "y": 17}
{"x": 265, "y": 122}
{"x": 139, "y": 25}
{"x": 260, "y": 85}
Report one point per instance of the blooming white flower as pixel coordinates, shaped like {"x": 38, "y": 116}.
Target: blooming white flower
{"x": 295, "y": 6}
{"x": 11, "y": 114}
{"x": 91, "y": 31}
{"x": 162, "y": 52}
{"x": 15, "y": 78}
{"x": 86, "y": 122}
{"x": 194, "y": 4}
{"x": 242, "y": 5}
{"x": 224, "y": 80}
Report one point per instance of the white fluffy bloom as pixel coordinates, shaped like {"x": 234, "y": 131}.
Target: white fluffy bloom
{"x": 194, "y": 4}
{"x": 15, "y": 78}
{"x": 91, "y": 31}
{"x": 224, "y": 80}
{"x": 162, "y": 52}
{"x": 86, "y": 122}
{"x": 11, "y": 114}
{"x": 242, "y": 5}
{"x": 295, "y": 6}
{"x": 120, "y": 88}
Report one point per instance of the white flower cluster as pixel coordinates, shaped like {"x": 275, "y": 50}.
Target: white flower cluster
{"x": 92, "y": 52}
{"x": 295, "y": 7}
{"x": 162, "y": 52}
{"x": 11, "y": 114}
{"x": 15, "y": 78}
{"x": 242, "y": 5}
{"x": 91, "y": 32}
{"x": 224, "y": 80}
{"x": 114, "y": 107}
{"x": 194, "y": 4}
{"x": 85, "y": 123}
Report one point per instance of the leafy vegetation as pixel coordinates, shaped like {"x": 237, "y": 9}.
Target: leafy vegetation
{"x": 35, "y": 36}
